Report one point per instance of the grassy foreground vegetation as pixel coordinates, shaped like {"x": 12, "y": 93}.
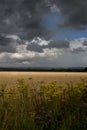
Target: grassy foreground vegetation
{"x": 45, "y": 107}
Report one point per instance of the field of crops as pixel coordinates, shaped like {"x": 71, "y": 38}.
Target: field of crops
{"x": 43, "y": 101}
{"x": 10, "y": 78}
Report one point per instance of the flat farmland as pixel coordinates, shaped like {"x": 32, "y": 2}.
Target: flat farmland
{"x": 35, "y": 78}
{"x": 51, "y": 106}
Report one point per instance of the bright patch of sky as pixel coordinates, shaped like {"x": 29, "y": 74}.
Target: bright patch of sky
{"x": 66, "y": 33}
{"x": 51, "y": 20}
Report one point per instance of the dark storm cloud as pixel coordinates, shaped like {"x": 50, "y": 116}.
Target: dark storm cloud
{"x": 24, "y": 16}
{"x": 4, "y": 41}
{"x": 60, "y": 44}
{"x": 74, "y": 12}
{"x": 6, "y": 45}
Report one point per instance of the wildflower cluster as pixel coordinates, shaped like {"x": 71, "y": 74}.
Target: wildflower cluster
{"x": 45, "y": 107}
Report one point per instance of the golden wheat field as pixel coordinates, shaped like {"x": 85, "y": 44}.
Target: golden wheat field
{"x": 10, "y": 78}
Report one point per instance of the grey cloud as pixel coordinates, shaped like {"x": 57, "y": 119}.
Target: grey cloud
{"x": 20, "y": 61}
{"x": 7, "y": 60}
{"x": 59, "y": 44}
{"x": 85, "y": 43}
{"x": 35, "y": 47}
{"x": 78, "y": 50}
{"x": 6, "y": 45}
{"x": 10, "y": 43}
{"x": 9, "y": 49}
{"x": 74, "y": 12}
{"x": 24, "y": 16}
{"x": 4, "y": 41}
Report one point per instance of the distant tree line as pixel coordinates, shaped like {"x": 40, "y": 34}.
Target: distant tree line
{"x": 35, "y": 69}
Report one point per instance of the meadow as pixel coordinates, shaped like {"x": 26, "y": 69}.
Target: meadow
{"x": 43, "y": 101}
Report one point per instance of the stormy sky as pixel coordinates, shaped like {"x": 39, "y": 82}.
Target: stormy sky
{"x": 43, "y": 33}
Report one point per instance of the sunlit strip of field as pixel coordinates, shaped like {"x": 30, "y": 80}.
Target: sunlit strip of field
{"x": 10, "y": 78}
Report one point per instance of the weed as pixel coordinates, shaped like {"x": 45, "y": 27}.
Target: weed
{"x": 45, "y": 107}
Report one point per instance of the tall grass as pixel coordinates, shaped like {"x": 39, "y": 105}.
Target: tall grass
{"x": 45, "y": 107}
